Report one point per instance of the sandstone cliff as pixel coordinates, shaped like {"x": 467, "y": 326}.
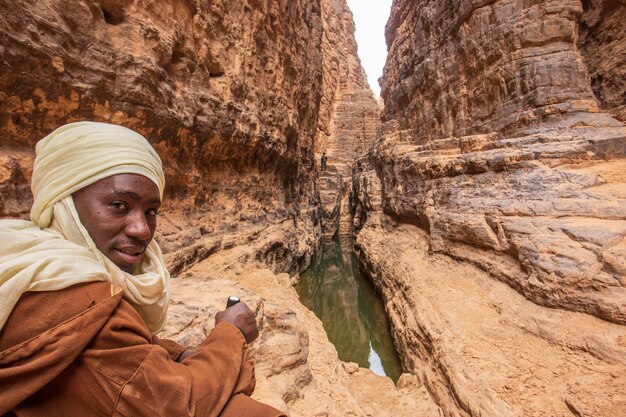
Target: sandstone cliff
{"x": 349, "y": 116}
{"x": 236, "y": 97}
{"x": 602, "y": 43}
{"x": 495, "y": 190}
{"x": 228, "y": 93}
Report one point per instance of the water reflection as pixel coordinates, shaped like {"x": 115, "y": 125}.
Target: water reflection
{"x": 353, "y": 316}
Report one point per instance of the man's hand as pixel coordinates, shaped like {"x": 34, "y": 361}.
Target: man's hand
{"x": 241, "y": 316}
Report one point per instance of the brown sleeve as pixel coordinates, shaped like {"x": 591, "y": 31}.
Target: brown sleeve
{"x": 119, "y": 372}
{"x": 173, "y": 348}
{"x": 44, "y": 335}
{"x": 201, "y": 385}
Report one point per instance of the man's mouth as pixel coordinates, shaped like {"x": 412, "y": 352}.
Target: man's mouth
{"x": 131, "y": 252}
{"x": 130, "y": 256}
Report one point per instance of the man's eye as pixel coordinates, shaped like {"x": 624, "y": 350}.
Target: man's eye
{"x": 152, "y": 212}
{"x": 118, "y": 205}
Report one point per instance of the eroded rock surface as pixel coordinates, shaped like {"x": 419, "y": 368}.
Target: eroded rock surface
{"x": 351, "y": 115}
{"x": 541, "y": 212}
{"x": 539, "y": 203}
{"x": 233, "y": 96}
{"x": 227, "y": 92}
{"x": 601, "y": 41}
{"x": 297, "y": 368}
{"x": 491, "y": 212}
{"x": 458, "y": 68}
{"x": 480, "y": 347}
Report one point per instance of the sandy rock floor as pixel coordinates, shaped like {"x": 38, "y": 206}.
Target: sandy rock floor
{"x": 483, "y": 349}
{"x": 298, "y": 369}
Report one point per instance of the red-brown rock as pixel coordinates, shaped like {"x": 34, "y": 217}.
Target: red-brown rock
{"x": 491, "y": 212}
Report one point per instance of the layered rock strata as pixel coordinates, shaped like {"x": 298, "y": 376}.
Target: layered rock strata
{"x": 228, "y": 94}
{"x": 350, "y": 117}
{"x": 542, "y": 213}
{"x": 459, "y": 68}
{"x": 542, "y": 208}
{"x": 601, "y": 41}
{"x": 234, "y": 96}
{"x": 491, "y": 212}
{"x": 480, "y": 348}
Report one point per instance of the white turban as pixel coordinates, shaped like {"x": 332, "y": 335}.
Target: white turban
{"x": 79, "y": 154}
{"x": 55, "y": 251}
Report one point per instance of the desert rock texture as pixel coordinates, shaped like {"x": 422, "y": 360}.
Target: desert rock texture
{"x": 486, "y": 191}
{"x": 234, "y": 96}
{"x": 227, "y": 92}
{"x": 351, "y": 117}
{"x": 491, "y": 210}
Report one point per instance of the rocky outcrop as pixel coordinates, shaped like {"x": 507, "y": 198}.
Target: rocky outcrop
{"x": 542, "y": 208}
{"x": 349, "y": 119}
{"x": 468, "y": 67}
{"x": 236, "y": 97}
{"x": 297, "y": 368}
{"x": 480, "y": 348}
{"x": 542, "y": 213}
{"x": 602, "y": 43}
{"x": 228, "y": 93}
{"x": 496, "y": 189}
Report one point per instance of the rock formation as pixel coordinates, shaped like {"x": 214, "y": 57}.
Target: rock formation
{"x": 601, "y": 41}
{"x": 228, "y": 93}
{"x": 349, "y": 117}
{"x": 297, "y": 367}
{"x": 491, "y": 212}
{"x": 234, "y": 96}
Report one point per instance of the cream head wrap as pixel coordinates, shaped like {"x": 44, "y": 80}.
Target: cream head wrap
{"x": 79, "y": 154}
{"x": 54, "y": 250}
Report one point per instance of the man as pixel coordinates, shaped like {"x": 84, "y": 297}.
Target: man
{"x": 323, "y": 161}
{"x": 83, "y": 290}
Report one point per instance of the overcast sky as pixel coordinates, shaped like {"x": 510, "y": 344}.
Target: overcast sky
{"x": 370, "y": 17}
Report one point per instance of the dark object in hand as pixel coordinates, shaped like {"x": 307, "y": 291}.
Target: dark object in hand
{"x": 242, "y": 317}
{"x": 232, "y": 300}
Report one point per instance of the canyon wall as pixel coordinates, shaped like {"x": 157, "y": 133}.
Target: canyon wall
{"x": 228, "y": 94}
{"x": 350, "y": 115}
{"x": 601, "y": 41}
{"x": 491, "y": 212}
{"x": 458, "y": 68}
{"x": 237, "y": 98}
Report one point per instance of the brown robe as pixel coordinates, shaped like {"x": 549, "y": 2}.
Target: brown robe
{"x": 82, "y": 352}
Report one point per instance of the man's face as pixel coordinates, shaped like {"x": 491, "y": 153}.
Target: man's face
{"x": 120, "y": 214}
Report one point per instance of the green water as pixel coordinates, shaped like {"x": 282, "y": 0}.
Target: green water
{"x": 351, "y": 311}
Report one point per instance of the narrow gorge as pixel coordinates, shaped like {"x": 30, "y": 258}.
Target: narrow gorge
{"x": 485, "y": 191}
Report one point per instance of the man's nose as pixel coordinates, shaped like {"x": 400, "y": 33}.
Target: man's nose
{"x": 137, "y": 226}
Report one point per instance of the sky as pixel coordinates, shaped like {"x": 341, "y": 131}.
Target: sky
{"x": 370, "y": 17}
